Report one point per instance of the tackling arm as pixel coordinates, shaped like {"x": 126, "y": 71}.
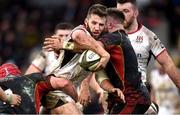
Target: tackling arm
{"x": 12, "y": 99}
{"x": 105, "y": 84}
{"x": 64, "y": 85}
{"x": 3, "y": 96}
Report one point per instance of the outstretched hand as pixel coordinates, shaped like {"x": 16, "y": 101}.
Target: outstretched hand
{"x": 51, "y": 44}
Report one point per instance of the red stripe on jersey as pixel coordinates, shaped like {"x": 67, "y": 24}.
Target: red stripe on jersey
{"x": 161, "y": 52}
{"x": 117, "y": 59}
{"x": 128, "y": 109}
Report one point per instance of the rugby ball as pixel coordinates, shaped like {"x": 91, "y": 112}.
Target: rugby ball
{"x": 89, "y": 60}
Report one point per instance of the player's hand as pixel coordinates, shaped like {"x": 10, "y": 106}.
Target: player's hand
{"x": 103, "y": 62}
{"x": 84, "y": 97}
{"x": 119, "y": 93}
{"x": 14, "y": 100}
{"x": 51, "y": 44}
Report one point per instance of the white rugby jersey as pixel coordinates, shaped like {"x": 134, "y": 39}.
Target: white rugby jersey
{"x": 72, "y": 71}
{"x": 145, "y": 44}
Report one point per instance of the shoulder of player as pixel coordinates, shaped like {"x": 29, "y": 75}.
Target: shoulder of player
{"x": 78, "y": 34}
{"x": 148, "y": 32}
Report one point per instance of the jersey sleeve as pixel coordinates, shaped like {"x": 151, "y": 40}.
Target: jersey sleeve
{"x": 40, "y": 61}
{"x": 156, "y": 46}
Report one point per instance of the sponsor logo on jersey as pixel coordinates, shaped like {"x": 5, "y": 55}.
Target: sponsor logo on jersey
{"x": 139, "y": 55}
{"x": 162, "y": 46}
{"x": 139, "y": 39}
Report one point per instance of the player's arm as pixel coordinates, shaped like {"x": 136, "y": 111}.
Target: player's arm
{"x": 12, "y": 99}
{"x": 106, "y": 85}
{"x": 3, "y": 95}
{"x": 95, "y": 86}
{"x": 32, "y": 69}
{"x": 81, "y": 40}
{"x": 84, "y": 95}
{"x": 168, "y": 65}
{"x": 64, "y": 85}
{"x": 38, "y": 64}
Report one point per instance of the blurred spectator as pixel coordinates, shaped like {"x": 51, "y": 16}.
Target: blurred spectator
{"x": 165, "y": 93}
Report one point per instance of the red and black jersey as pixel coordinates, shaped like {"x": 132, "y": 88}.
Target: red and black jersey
{"x": 122, "y": 68}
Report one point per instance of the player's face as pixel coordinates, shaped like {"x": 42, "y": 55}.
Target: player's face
{"x": 129, "y": 11}
{"x": 95, "y": 25}
{"x": 62, "y": 34}
{"x": 109, "y": 23}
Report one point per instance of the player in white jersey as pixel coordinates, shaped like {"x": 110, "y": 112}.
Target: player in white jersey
{"x": 49, "y": 62}
{"x": 72, "y": 70}
{"x": 165, "y": 93}
{"x": 146, "y": 43}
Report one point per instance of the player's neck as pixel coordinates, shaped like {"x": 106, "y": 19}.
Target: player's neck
{"x": 116, "y": 28}
{"x": 133, "y": 27}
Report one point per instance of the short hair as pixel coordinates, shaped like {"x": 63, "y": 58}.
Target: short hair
{"x": 64, "y": 26}
{"x": 116, "y": 14}
{"x": 125, "y": 1}
{"x": 97, "y": 9}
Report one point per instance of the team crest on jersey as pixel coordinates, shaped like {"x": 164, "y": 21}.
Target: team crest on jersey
{"x": 139, "y": 39}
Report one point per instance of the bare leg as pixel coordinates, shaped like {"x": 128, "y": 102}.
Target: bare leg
{"x": 69, "y": 108}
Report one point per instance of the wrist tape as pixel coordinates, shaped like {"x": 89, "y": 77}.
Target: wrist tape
{"x": 68, "y": 45}
{"x": 9, "y": 98}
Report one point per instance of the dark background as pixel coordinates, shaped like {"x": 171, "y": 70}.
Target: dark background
{"x": 25, "y": 23}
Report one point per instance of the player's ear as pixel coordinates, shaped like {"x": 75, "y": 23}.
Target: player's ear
{"x": 136, "y": 13}
{"x": 86, "y": 22}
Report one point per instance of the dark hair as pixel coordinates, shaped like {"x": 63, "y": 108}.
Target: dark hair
{"x": 97, "y": 9}
{"x": 125, "y": 1}
{"x": 64, "y": 26}
{"x": 116, "y": 14}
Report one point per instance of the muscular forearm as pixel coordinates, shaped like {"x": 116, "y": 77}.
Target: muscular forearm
{"x": 64, "y": 85}
{"x": 173, "y": 73}
{"x": 169, "y": 67}
{"x": 3, "y": 96}
{"x": 94, "y": 85}
{"x": 84, "y": 41}
{"x": 106, "y": 85}
{"x": 71, "y": 90}
{"x": 85, "y": 83}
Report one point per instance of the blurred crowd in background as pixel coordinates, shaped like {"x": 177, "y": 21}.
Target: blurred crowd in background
{"x": 25, "y": 23}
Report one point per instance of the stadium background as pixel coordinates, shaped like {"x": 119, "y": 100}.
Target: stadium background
{"x": 25, "y": 23}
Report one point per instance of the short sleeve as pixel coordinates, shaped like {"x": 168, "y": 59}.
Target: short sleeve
{"x": 40, "y": 61}
{"x": 157, "y": 47}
